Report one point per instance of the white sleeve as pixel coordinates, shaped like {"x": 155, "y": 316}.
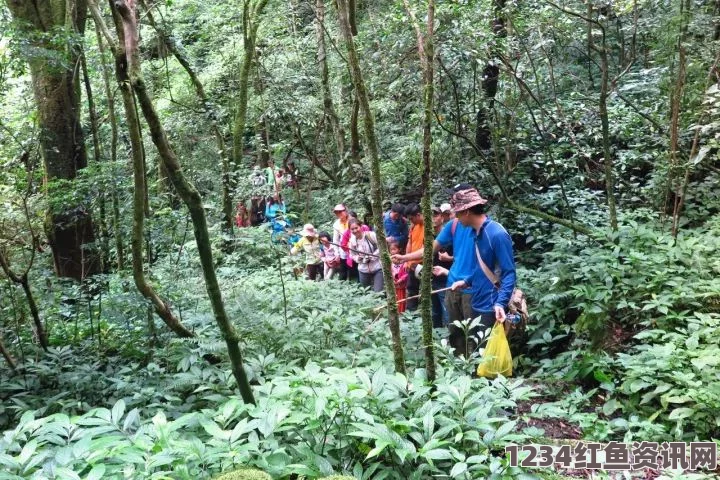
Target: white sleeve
{"x": 337, "y": 236}
{"x": 353, "y": 245}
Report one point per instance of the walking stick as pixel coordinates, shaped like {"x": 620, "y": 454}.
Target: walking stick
{"x": 356, "y": 251}
{"x": 380, "y": 307}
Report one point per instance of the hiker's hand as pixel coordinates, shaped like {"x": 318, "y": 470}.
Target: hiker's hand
{"x": 390, "y": 240}
{"x": 397, "y": 258}
{"x": 460, "y": 284}
{"x": 445, "y": 257}
{"x": 439, "y": 271}
{"x": 499, "y": 313}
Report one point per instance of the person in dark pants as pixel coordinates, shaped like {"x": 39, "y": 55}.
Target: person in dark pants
{"x": 310, "y": 245}
{"x": 442, "y": 262}
{"x": 460, "y": 240}
{"x": 490, "y": 291}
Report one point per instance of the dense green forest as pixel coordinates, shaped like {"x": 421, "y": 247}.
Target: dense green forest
{"x": 152, "y": 326}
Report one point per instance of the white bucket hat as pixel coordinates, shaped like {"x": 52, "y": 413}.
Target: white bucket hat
{"x": 308, "y": 230}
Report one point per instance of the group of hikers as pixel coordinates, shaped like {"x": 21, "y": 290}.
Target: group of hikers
{"x": 473, "y": 269}
{"x": 264, "y": 208}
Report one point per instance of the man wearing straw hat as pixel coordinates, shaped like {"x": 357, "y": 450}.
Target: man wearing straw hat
{"x": 310, "y": 244}
{"x": 491, "y": 249}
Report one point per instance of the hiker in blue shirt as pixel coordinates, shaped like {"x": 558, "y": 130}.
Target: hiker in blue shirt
{"x": 492, "y": 279}
{"x": 396, "y": 227}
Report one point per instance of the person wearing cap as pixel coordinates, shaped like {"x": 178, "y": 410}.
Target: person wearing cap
{"x": 478, "y": 237}
{"x": 310, "y": 244}
{"x": 446, "y": 212}
{"x": 396, "y": 227}
{"x": 339, "y": 228}
{"x": 365, "y": 252}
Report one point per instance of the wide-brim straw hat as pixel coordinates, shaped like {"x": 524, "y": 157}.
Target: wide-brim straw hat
{"x": 465, "y": 199}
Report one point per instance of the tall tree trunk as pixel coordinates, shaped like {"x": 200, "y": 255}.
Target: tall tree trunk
{"x": 252, "y": 11}
{"x": 693, "y": 160}
{"x": 210, "y": 110}
{"x": 590, "y": 44}
{"x": 426, "y": 52}
{"x": 489, "y": 83}
{"x": 97, "y": 156}
{"x": 69, "y": 226}
{"x": 605, "y": 122}
{"x": 133, "y": 123}
{"x": 675, "y": 107}
{"x": 124, "y": 14}
{"x": 354, "y": 131}
{"x": 110, "y": 97}
{"x": 375, "y": 183}
{"x": 328, "y": 107}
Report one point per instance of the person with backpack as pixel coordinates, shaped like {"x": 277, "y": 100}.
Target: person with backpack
{"x": 364, "y": 250}
{"x": 396, "y": 227}
{"x": 491, "y": 280}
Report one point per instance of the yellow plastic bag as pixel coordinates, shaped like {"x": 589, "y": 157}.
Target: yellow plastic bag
{"x": 496, "y": 359}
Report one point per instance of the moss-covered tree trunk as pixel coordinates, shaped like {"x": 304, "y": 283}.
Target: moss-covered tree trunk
{"x": 115, "y": 202}
{"x": 328, "y": 105}
{"x": 426, "y": 54}
{"x": 605, "y": 124}
{"x": 489, "y": 82}
{"x": 97, "y": 156}
{"x": 252, "y": 10}
{"x": 139, "y": 212}
{"x": 125, "y": 17}
{"x": 56, "y": 89}
{"x": 426, "y": 281}
{"x": 375, "y": 181}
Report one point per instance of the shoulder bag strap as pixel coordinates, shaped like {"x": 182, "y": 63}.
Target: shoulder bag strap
{"x": 488, "y": 273}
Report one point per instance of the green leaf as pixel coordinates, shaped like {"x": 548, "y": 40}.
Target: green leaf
{"x": 680, "y": 413}
{"x": 458, "y": 469}
{"x": 118, "y": 410}
{"x": 27, "y": 451}
{"x": 131, "y": 418}
{"x": 96, "y": 473}
{"x": 438, "y": 454}
{"x": 610, "y": 407}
